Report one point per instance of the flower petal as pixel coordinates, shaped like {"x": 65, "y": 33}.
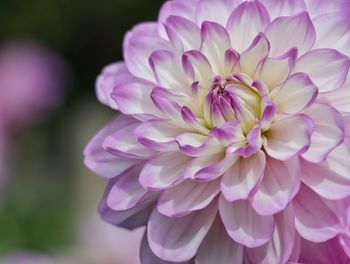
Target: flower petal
{"x": 168, "y": 71}
{"x": 101, "y": 162}
{"x": 297, "y": 93}
{"x": 123, "y": 143}
{"x": 328, "y": 132}
{"x": 215, "y": 41}
{"x": 197, "y": 67}
{"x": 327, "y": 68}
{"x": 178, "y": 239}
{"x": 218, "y": 247}
{"x": 289, "y": 137}
{"x": 242, "y": 178}
{"x": 257, "y": 51}
{"x": 296, "y": 31}
{"x": 245, "y": 22}
{"x": 183, "y": 32}
{"x": 279, "y": 8}
{"x": 131, "y": 218}
{"x": 126, "y": 192}
{"x": 164, "y": 171}
{"x": 158, "y": 135}
{"x": 322, "y": 253}
{"x": 279, "y": 185}
{"x": 187, "y": 197}
{"x": 331, "y": 178}
{"x": 273, "y": 71}
{"x": 134, "y": 99}
{"x": 314, "y": 220}
{"x": 111, "y": 76}
{"x": 244, "y": 225}
{"x": 332, "y": 31}
{"x": 197, "y": 145}
{"x": 218, "y": 11}
{"x": 137, "y": 49}
{"x": 339, "y": 98}
{"x": 148, "y": 257}
{"x": 280, "y": 247}
{"x": 182, "y": 8}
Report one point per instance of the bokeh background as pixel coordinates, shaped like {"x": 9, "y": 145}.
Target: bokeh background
{"x": 48, "y": 200}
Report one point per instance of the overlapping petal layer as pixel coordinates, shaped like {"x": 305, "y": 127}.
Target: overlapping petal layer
{"x": 234, "y": 130}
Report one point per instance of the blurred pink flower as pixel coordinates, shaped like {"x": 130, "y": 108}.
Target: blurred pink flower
{"x": 234, "y": 130}
{"x": 31, "y": 82}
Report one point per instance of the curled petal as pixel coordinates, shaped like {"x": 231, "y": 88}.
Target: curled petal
{"x": 328, "y": 132}
{"x": 196, "y": 145}
{"x": 182, "y": 8}
{"x": 257, "y": 51}
{"x": 134, "y": 99}
{"x": 123, "y": 143}
{"x": 273, "y": 71}
{"x": 158, "y": 135}
{"x": 101, "y": 162}
{"x": 111, "y": 76}
{"x": 245, "y": 22}
{"x": 137, "y": 49}
{"x": 131, "y": 218}
{"x": 197, "y": 67}
{"x": 289, "y": 137}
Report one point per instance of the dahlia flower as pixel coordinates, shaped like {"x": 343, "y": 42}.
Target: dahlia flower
{"x": 233, "y": 140}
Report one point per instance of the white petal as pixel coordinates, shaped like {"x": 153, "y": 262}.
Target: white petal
{"x": 328, "y": 132}
{"x": 285, "y": 33}
{"x": 240, "y": 181}
{"x": 244, "y": 225}
{"x": 279, "y": 185}
{"x": 327, "y": 68}
{"x": 178, "y": 239}
{"x": 245, "y": 22}
{"x": 289, "y": 137}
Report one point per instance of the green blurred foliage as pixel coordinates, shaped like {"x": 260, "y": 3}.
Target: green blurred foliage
{"x": 37, "y": 212}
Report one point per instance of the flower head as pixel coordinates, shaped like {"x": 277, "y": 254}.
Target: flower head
{"x": 234, "y": 128}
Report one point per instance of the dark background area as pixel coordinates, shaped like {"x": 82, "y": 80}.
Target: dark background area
{"x": 41, "y": 197}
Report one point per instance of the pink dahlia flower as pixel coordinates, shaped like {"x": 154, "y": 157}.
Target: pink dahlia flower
{"x": 234, "y": 134}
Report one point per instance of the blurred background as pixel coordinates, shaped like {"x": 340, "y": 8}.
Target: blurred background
{"x": 50, "y": 55}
